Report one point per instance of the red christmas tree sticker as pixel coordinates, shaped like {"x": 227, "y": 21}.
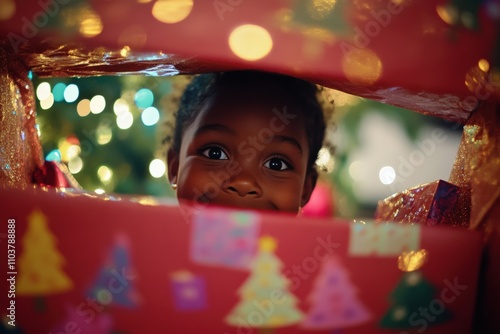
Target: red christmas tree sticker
{"x": 266, "y": 302}
{"x": 334, "y": 301}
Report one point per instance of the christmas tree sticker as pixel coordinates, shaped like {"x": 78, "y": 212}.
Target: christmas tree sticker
{"x": 413, "y": 295}
{"x": 113, "y": 285}
{"x": 40, "y": 264}
{"x": 334, "y": 301}
{"x": 265, "y": 301}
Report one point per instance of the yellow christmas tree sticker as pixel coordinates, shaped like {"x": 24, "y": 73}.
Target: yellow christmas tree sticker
{"x": 40, "y": 263}
{"x": 265, "y": 300}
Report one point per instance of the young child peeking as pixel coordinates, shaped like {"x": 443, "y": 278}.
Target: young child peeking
{"x": 247, "y": 139}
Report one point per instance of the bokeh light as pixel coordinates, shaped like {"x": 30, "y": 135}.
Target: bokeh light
{"x": 157, "y": 168}
{"x": 120, "y": 106}
{"x": 250, "y": 42}
{"x": 58, "y": 91}
{"x": 105, "y": 174}
{"x": 73, "y": 151}
{"x": 75, "y": 165}
{"x": 90, "y": 24}
{"x": 172, "y": 11}
{"x": 7, "y": 9}
{"x": 47, "y": 102}
{"x": 144, "y": 98}
{"x": 356, "y": 170}
{"x": 125, "y": 120}
{"x": 43, "y": 91}
{"x": 71, "y": 93}
{"x": 150, "y": 116}
{"x": 387, "y": 175}
{"x": 362, "y": 66}
{"x": 103, "y": 134}
{"x": 97, "y": 104}
{"x": 83, "y": 107}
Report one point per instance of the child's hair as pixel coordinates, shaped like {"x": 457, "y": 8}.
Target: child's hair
{"x": 303, "y": 94}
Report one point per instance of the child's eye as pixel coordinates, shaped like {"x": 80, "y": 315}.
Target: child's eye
{"x": 277, "y": 164}
{"x": 214, "y": 153}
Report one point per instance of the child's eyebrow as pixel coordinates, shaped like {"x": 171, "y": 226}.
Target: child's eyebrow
{"x": 214, "y": 127}
{"x": 289, "y": 140}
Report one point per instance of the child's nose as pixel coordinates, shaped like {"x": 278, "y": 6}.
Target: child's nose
{"x": 244, "y": 186}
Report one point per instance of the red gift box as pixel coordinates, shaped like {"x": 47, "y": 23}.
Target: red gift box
{"x": 434, "y": 203}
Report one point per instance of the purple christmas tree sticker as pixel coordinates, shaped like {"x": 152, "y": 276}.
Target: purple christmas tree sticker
{"x": 114, "y": 283}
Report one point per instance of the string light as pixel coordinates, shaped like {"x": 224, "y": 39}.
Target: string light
{"x": 144, "y": 98}
{"x": 172, "y": 11}
{"x": 250, "y": 42}
{"x": 157, "y": 168}
{"x": 43, "y": 91}
{"x": 71, "y": 93}
{"x": 387, "y": 175}
{"x": 58, "y": 91}
{"x": 150, "y": 116}
{"x": 125, "y": 120}
{"x": 120, "y": 106}
{"x": 97, "y": 104}
{"x": 75, "y": 165}
{"x": 105, "y": 174}
{"x": 47, "y": 102}
{"x": 83, "y": 107}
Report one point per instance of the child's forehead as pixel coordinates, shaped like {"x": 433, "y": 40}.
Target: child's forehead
{"x": 238, "y": 104}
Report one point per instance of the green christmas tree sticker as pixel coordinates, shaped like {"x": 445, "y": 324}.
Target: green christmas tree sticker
{"x": 414, "y": 301}
{"x": 265, "y": 301}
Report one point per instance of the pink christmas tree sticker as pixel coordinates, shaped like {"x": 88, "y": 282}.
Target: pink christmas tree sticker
{"x": 334, "y": 301}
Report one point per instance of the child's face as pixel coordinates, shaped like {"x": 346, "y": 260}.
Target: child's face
{"x": 245, "y": 149}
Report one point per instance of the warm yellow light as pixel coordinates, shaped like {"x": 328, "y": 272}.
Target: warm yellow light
{"x": 448, "y": 14}
{"x": 83, "y": 107}
{"x": 172, "y": 11}
{"x": 103, "y": 134}
{"x": 120, "y": 107}
{"x": 48, "y": 102}
{"x": 75, "y": 165}
{"x": 412, "y": 260}
{"x": 319, "y": 9}
{"x": 90, "y": 25}
{"x": 105, "y": 174}
{"x": 250, "y": 42}
{"x": 362, "y": 66}
{"x": 124, "y": 52}
{"x": 484, "y": 65}
{"x": 73, "y": 151}
{"x": 7, "y": 9}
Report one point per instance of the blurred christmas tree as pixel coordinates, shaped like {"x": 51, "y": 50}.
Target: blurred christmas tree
{"x": 108, "y": 130}
{"x": 105, "y": 130}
